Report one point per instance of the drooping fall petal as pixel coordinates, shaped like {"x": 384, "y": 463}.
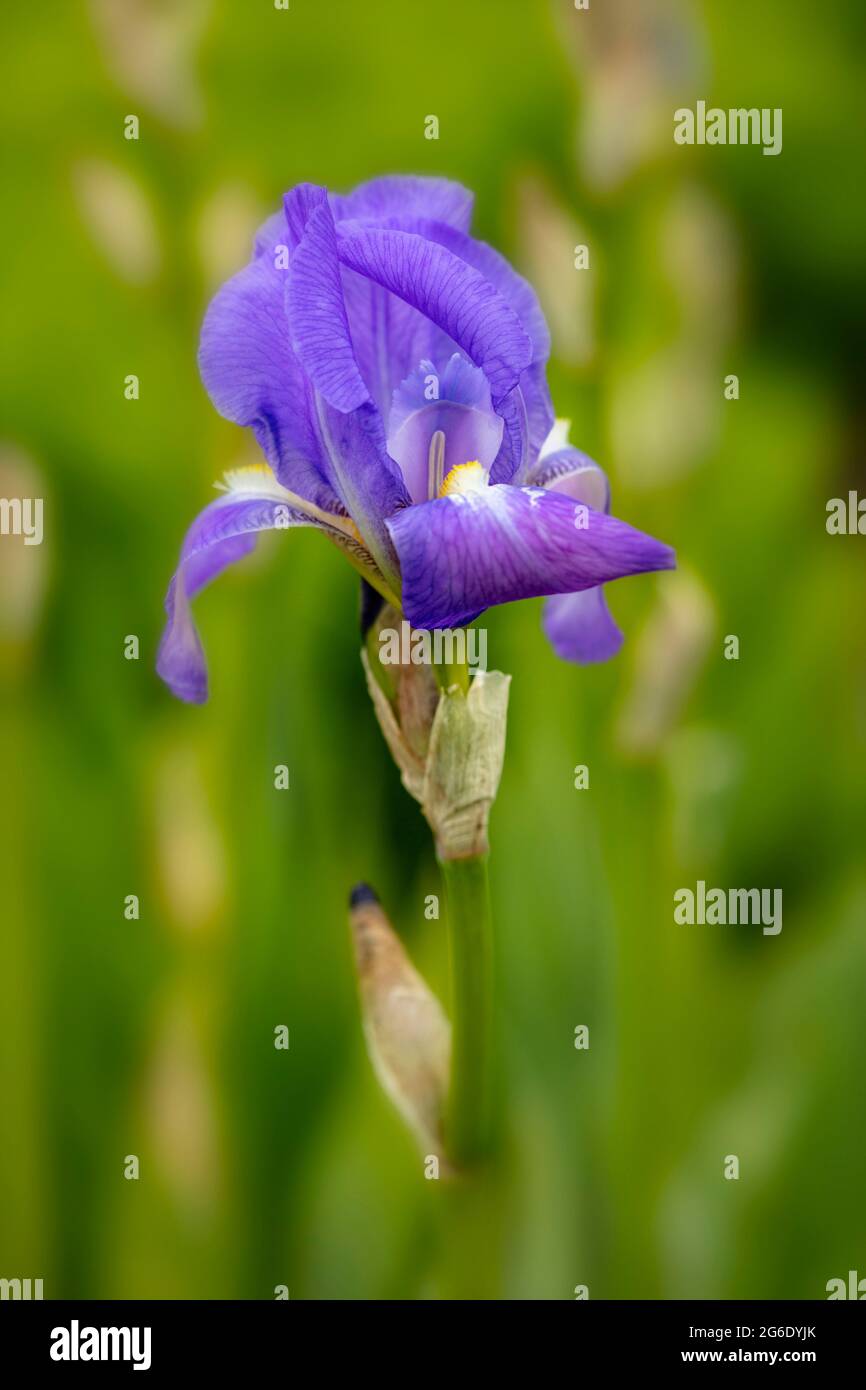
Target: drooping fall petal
{"x": 463, "y": 553}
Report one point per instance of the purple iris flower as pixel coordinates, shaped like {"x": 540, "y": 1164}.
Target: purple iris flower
{"x": 392, "y": 369}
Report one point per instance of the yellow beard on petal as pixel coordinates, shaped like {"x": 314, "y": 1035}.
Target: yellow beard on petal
{"x": 464, "y": 478}
{"x": 257, "y": 479}
{"x": 252, "y": 477}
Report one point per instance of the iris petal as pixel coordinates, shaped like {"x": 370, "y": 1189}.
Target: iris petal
{"x": 448, "y": 291}
{"x": 575, "y": 475}
{"x": 406, "y": 196}
{"x": 580, "y": 628}
{"x": 223, "y": 533}
{"x": 389, "y": 336}
{"x": 368, "y": 481}
{"x": 348, "y": 424}
{"x": 317, "y": 314}
{"x": 532, "y": 419}
{"x": 461, "y": 411}
{"x": 253, "y": 377}
{"x": 462, "y": 554}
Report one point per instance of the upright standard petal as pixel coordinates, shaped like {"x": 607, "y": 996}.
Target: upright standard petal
{"x": 317, "y": 315}
{"x": 224, "y": 532}
{"x": 253, "y": 377}
{"x": 451, "y": 293}
{"x": 466, "y": 551}
{"x": 405, "y": 196}
{"x": 529, "y": 421}
{"x": 522, "y": 441}
{"x": 389, "y": 336}
{"x": 356, "y": 462}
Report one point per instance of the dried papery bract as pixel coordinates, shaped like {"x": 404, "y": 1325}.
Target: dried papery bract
{"x": 405, "y": 697}
{"x": 408, "y": 1036}
{"x": 448, "y": 744}
{"x": 464, "y": 764}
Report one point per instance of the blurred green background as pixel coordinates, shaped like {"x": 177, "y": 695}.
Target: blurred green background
{"x": 155, "y": 1037}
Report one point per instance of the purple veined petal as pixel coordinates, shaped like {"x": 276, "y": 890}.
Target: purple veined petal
{"x": 575, "y": 475}
{"x": 539, "y": 414}
{"x": 389, "y": 336}
{"x": 254, "y": 379}
{"x": 489, "y": 263}
{"x": 510, "y": 462}
{"x": 406, "y": 196}
{"x": 580, "y": 628}
{"x": 468, "y": 551}
{"x": 458, "y": 382}
{"x": 537, "y": 410}
{"x": 528, "y": 414}
{"x": 368, "y": 481}
{"x": 272, "y": 233}
{"x": 517, "y": 291}
{"x": 348, "y": 425}
{"x": 537, "y": 407}
{"x": 299, "y": 204}
{"x": 315, "y": 304}
{"x": 439, "y": 420}
{"x": 446, "y": 290}
{"x": 223, "y": 533}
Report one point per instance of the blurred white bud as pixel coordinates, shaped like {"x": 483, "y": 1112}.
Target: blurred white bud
{"x": 554, "y": 245}
{"x": 119, "y": 217}
{"x": 669, "y": 655}
{"x": 150, "y": 47}
{"x": 408, "y": 1036}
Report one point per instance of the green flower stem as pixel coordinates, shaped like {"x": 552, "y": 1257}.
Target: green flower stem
{"x": 470, "y": 1111}
{"x": 449, "y": 674}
